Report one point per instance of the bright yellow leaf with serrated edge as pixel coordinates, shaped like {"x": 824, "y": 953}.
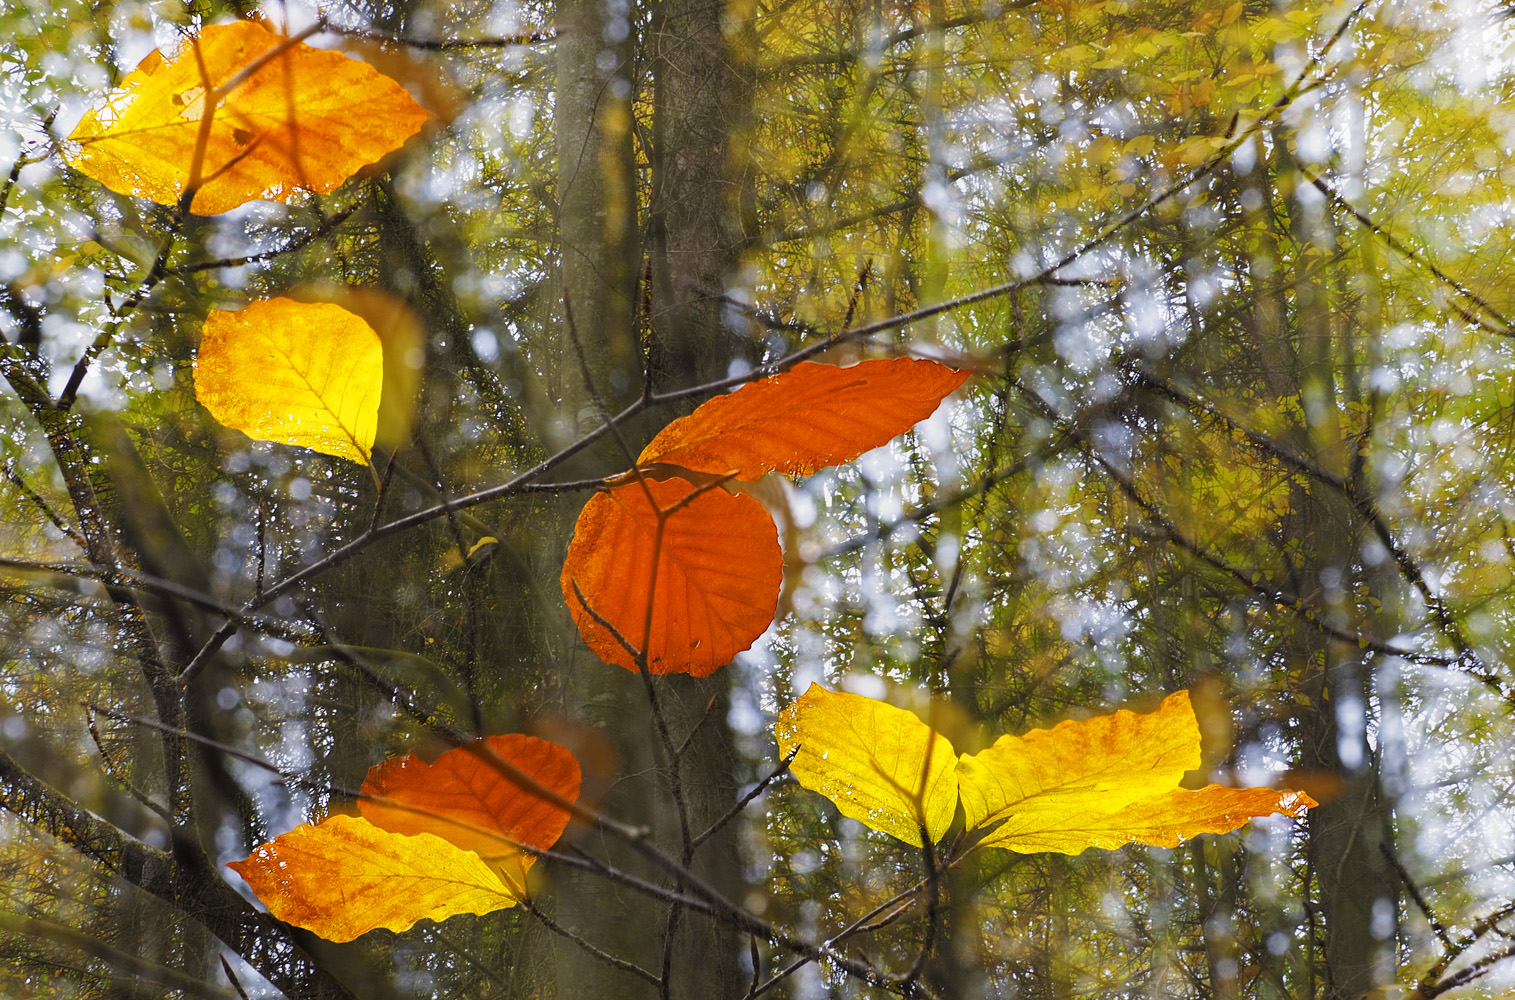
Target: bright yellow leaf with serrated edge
{"x": 291, "y": 117}
{"x": 300, "y": 373}
{"x": 1165, "y": 820}
{"x": 1105, "y": 782}
{"x": 345, "y": 876}
{"x": 881, "y": 765}
{"x": 1100, "y": 763}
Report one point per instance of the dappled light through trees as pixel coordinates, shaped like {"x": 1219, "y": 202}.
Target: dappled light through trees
{"x": 757, "y": 499}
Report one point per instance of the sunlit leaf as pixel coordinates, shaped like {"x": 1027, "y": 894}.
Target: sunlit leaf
{"x": 403, "y": 337}
{"x": 716, "y": 583}
{"x": 1105, "y": 782}
{"x": 464, "y": 799}
{"x": 345, "y": 876}
{"x": 302, "y": 119}
{"x": 1164, "y": 820}
{"x": 881, "y": 765}
{"x": 1100, "y": 763}
{"x": 299, "y": 373}
{"x": 805, "y": 419}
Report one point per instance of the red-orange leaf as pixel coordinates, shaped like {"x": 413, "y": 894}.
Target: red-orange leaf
{"x": 717, "y": 575}
{"x": 805, "y": 419}
{"x": 462, "y": 798}
{"x": 290, "y": 117}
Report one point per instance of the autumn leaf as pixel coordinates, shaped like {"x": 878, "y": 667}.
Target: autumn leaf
{"x": 345, "y": 876}
{"x": 1164, "y": 820}
{"x": 881, "y": 765}
{"x": 289, "y": 117}
{"x": 464, "y": 798}
{"x": 711, "y": 576}
{"x": 403, "y": 337}
{"x": 805, "y": 419}
{"x": 300, "y": 373}
{"x": 719, "y": 566}
{"x": 1100, "y": 763}
{"x": 434, "y": 840}
{"x": 1105, "y": 782}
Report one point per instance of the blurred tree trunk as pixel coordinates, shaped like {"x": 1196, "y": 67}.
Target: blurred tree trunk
{"x": 1311, "y": 356}
{"x": 694, "y": 239}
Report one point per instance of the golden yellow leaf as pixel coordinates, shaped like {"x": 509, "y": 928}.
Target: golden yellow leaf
{"x": 1163, "y": 821}
{"x": 1100, "y": 763}
{"x": 1105, "y": 782}
{"x": 301, "y": 373}
{"x": 403, "y": 337}
{"x": 881, "y": 765}
{"x": 345, "y": 876}
{"x": 302, "y": 118}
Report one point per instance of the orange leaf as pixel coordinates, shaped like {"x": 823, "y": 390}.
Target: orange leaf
{"x": 463, "y": 799}
{"x": 345, "y": 876}
{"x": 717, "y": 575}
{"x": 805, "y": 419}
{"x": 301, "y": 119}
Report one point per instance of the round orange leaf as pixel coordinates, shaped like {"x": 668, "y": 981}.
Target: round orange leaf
{"x": 716, "y": 584}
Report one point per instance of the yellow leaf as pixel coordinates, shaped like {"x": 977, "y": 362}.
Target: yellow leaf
{"x": 1099, "y": 763}
{"x": 1105, "y": 782}
{"x": 301, "y": 119}
{"x": 307, "y": 374}
{"x": 1164, "y": 821}
{"x": 345, "y": 876}
{"x": 881, "y": 765}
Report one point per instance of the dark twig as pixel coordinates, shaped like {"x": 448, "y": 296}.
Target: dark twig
{"x": 1257, "y": 583}
{"x": 328, "y": 225}
{"x": 933, "y": 898}
{"x": 42, "y": 505}
{"x": 443, "y": 45}
{"x": 1420, "y": 901}
{"x": 24, "y": 160}
{"x": 231, "y": 977}
{"x": 694, "y": 731}
{"x": 604, "y": 956}
{"x": 110, "y": 769}
{"x": 746, "y": 800}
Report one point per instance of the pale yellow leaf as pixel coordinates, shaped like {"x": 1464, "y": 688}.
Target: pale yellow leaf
{"x": 1162, "y": 821}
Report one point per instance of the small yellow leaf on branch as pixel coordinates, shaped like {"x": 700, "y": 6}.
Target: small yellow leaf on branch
{"x": 300, "y": 373}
